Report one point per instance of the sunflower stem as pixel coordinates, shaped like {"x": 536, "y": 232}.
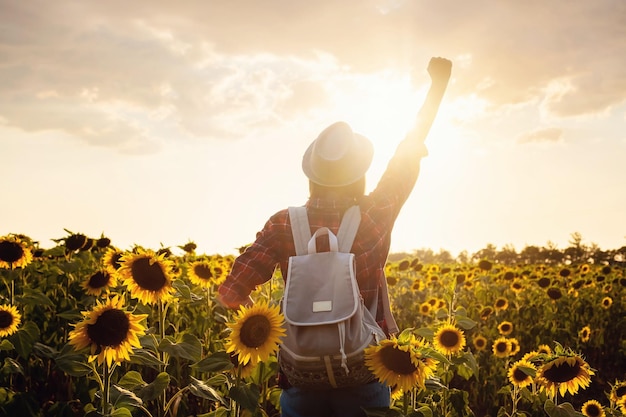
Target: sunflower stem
{"x": 262, "y": 384}
{"x": 210, "y": 316}
{"x": 405, "y": 403}
{"x": 106, "y": 383}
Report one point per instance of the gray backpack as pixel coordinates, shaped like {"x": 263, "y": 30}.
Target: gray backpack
{"x": 328, "y": 326}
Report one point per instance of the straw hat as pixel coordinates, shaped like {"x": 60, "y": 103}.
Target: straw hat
{"x": 338, "y": 156}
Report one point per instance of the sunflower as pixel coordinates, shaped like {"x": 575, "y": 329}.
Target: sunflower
{"x": 485, "y": 313}
{"x": 109, "y": 330}
{"x": 14, "y": 252}
{"x": 392, "y": 280}
{"x": 479, "y": 342}
{"x": 201, "y": 273}
{"x": 256, "y": 332}
{"x": 501, "y": 347}
{"x": 448, "y": 339}
{"x": 111, "y": 260}
{"x": 501, "y": 304}
{"x": 76, "y": 241}
{"x": 554, "y": 293}
{"x": 606, "y": 303}
{"x": 98, "y": 282}
{"x": 485, "y": 265}
{"x": 544, "y": 349}
{"x": 622, "y": 406}
{"x": 515, "y": 346}
{"x": 566, "y": 373}
{"x": 532, "y": 356}
{"x": 425, "y": 308}
{"x": 399, "y": 364}
{"x": 592, "y": 408}
{"x": 544, "y": 282}
{"x": 505, "y": 328}
{"x": 565, "y": 272}
{"x": 516, "y": 286}
{"x": 521, "y": 373}
{"x": 147, "y": 275}
{"x": 10, "y": 320}
{"x": 618, "y": 391}
{"x": 584, "y": 334}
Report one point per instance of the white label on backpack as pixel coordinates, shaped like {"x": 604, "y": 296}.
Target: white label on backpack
{"x": 322, "y": 306}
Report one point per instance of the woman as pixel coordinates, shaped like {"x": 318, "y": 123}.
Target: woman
{"x": 336, "y": 163}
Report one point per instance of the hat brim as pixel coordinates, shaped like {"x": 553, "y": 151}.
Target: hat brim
{"x": 352, "y": 170}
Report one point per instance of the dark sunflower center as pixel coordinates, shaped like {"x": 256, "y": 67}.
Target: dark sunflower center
{"x": 505, "y": 328}
{"x": 480, "y": 343}
{"x": 110, "y": 329}
{"x": 148, "y": 276}
{"x": 554, "y": 293}
{"x": 543, "y": 282}
{"x": 203, "y": 271}
{"x": 500, "y": 303}
{"x": 75, "y": 242}
{"x": 563, "y": 372}
{"x": 6, "y": 319}
{"x": 10, "y": 252}
{"x": 519, "y": 375}
{"x": 99, "y": 279}
{"x": 397, "y": 361}
{"x": 620, "y": 391}
{"x": 449, "y": 338}
{"x": 115, "y": 260}
{"x": 501, "y": 347}
{"x": 255, "y": 331}
{"x": 593, "y": 410}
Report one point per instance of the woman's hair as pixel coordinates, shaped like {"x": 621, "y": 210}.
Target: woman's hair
{"x": 356, "y": 190}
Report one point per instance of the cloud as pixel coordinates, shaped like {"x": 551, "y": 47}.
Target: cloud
{"x": 549, "y": 134}
{"x": 116, "y": 73}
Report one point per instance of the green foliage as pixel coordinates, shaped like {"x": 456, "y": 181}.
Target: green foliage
{"x": 182, "y": 368}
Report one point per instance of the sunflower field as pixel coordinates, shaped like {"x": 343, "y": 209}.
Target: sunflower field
{"x": 89, "y": 329}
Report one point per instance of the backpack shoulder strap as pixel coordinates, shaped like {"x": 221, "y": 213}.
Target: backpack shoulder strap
{"x": 348, "y": 228}
{"x": 300, "y": 229}
{"x": 345, "y": 235}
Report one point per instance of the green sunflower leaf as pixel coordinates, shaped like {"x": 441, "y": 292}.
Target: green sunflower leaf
{"x": 6, "y": 345}
{"x": 44, "y": 351}
{"x": 34, "y": 297}
{"x": 183, "y": 292}
{"x": 247, "y": 396}
{"x": 74, "y": 365}
{"x": 217, "y": 362}
{"x": 201, "y": 389}
{"x": 131, "y": 380}
{"x": 11, "y": 366}
{"x": 121, "y": 397}
{"x": 157, "y": 387}
{"x": 189, "y": 347}
{"x": 465, "y": 323}
{"x": 25, "y": 338}
{"x": 145, "y": 357}
{"x": 561, "y": 410}
{"x": 121, "y": 412}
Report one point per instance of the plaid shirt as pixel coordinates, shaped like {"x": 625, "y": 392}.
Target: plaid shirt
{"x": 379, "y": 210}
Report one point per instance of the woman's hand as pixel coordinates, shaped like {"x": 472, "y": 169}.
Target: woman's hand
{"x": 439, "y": 70}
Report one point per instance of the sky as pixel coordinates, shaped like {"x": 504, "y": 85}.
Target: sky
{"x": 158, "y": 123}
